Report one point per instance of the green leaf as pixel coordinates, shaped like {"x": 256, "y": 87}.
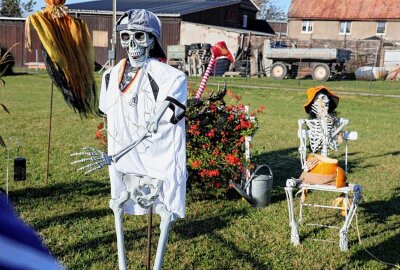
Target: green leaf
{"x": 5, "y": 108}
{"x": 2, "y": 143}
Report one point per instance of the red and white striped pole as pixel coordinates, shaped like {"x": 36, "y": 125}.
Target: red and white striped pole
{"x": 219, "y": 49}
{"x": 205, "y": 77}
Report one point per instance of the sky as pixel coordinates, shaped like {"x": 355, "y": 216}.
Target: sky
{"x": 284, "y": 4}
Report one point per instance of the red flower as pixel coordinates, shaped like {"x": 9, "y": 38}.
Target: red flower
{"x": 194, "y": 129}
{"x": 211, "y": 133}
{"x": 233, "y": 95}
{"x": 233, "y": 160}
{"x": 213, "y": 108}
{"x": 196, "y": 164}
{"x": 203, "y": 173}
{"x": 217, "y": 185}
{"x": 257, "y": 111}
{"x": 99, "y": 134}
{"x": 216, "y": 151}
{"x": 212, "y": 173}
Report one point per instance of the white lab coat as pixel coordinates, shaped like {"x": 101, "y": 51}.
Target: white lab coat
{"x": 162, "y": 156}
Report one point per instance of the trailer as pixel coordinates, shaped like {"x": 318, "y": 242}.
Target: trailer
{"x": 280, "y": 61}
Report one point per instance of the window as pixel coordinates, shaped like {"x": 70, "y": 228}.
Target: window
{"x": 381, "y": 28}
{"x": 344, "y": 28}
{"x": 307, "y": 27}
{"x": 100, "y": 39}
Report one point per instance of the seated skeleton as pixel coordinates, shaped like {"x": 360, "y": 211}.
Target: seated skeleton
{"x": 323, "y": 133}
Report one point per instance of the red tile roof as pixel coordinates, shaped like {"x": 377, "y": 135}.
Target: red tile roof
{"x": 345, "y": 9}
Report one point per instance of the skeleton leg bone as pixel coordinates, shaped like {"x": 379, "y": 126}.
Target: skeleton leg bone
{"x": 166, "y": 219}
{"x": 145, "y": 190}
{"x": 294, "y": 235}
{"x": 117, "y": 207}
{"x": 343, "y": 241}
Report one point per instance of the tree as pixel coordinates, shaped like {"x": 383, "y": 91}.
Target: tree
{"x": 269, "y": 10}
{"x": 16, "y": 8}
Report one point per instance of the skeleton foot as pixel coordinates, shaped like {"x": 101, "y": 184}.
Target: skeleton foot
{"x": 343, "y": 240}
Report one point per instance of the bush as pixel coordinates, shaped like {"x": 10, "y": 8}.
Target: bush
{"x": 215, "y": 141}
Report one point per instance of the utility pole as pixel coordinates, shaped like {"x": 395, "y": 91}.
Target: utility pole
{"x": 114, "y": 32}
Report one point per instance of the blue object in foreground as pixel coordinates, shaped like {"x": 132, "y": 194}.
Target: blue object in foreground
{"x": 21, "y": 248}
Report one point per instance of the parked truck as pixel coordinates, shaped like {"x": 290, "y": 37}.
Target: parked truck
{"x": 281, "y": 61}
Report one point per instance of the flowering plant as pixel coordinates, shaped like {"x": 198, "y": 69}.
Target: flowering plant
{"x": 101, "y": 134}
{"x": 215, "y": 139}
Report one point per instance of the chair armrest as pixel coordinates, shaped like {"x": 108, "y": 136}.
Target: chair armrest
{"x": 293, "y": 182}
{"x": 350, "y": 135}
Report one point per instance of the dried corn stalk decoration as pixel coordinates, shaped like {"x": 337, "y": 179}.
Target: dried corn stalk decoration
{"x": 69, "y": 55}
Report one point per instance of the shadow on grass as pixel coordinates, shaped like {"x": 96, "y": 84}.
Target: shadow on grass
{"x": 381, "y": 212}
{"x": 87, "y": 187}
{"x": 19, "y": 73}
{"x": 209, "y": 226}
{"x": 71, "y": 218}
{"x": 193, "y": 228}
{"x": 284, "y": 164}
{"x": 388, "y": 252}
{"x": 242, "y": 254}
{"x": 106, "y": 241}
{"x": 354, "y": 163}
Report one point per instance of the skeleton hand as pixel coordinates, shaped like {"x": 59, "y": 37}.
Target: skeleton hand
{"x": 101, "y": 159}
{"x": 311, "y": 163}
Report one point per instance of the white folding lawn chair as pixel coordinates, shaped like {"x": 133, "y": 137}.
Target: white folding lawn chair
{"x": 351, "y": 193}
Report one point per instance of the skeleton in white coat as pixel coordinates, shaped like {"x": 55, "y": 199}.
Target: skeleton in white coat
{"x": 145, "y": 102}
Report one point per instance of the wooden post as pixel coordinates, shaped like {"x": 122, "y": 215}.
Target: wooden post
{"x": 149, "y": 234}
{"x": 49, "y": 134}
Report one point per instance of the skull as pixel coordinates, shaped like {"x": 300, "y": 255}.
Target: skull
{"x": 320, "y": 105}
{"x": 138, "y": 45}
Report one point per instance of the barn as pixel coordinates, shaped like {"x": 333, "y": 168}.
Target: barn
{"x": 183, "y": 22}
{"x": 12, "y": 31}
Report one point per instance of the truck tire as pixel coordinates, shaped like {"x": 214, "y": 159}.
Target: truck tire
{"x": 278, "y": 70}
{"x": 321, "y": 72}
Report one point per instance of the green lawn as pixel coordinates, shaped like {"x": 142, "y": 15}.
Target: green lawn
{"x": 344, "y": 86}
{"x": 71, "y": 213}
